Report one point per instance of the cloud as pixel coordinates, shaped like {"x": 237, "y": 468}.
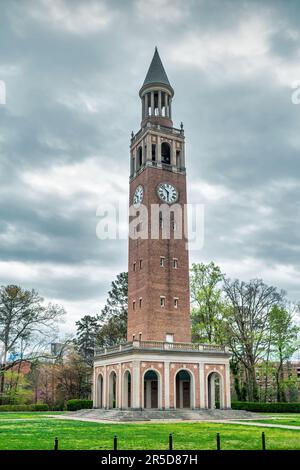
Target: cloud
{"x": 78, "y": 18}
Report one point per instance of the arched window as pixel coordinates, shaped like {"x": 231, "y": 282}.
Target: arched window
{"x": 165, "y": 153}
{"x": 151, "y": 389}
{"x": 215, "y": 392}
{"x": 184, "y": 389}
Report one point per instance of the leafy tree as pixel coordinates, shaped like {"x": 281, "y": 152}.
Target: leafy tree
{"x": 113, "y": 317}
{"x": 17, "y": 388}
{"x": 24, "y": 324}
{"x": 86, "y": 336}
{"x": 246, "y": 321}
{"x": 74, "y": 378}
{"x": 206, "y": 297}
{"x": 283, "y": 335}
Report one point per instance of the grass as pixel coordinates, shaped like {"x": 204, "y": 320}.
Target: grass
{"x": 291, "y": 421}
{"x": 28, "y": 415}
{"x": 37, "y": 432}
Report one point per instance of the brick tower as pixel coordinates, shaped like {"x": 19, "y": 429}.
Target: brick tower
{"x": 158, "y": 367}
{"x": 158, "y": 270}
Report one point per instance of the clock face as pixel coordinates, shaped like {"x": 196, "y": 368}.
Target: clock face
{"x": 138, "y": 196}
{"x": 167, "y": 192}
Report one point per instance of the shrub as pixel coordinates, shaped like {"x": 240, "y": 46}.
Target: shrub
{"x": 38, "y": 407}
{"x": 74, "y": 405}
{"x": 266, "y": 407}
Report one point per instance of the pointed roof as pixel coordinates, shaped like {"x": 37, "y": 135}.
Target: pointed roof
{"x": 156, "y": 72}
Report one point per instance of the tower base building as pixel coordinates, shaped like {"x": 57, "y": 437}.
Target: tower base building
{"x": 164, "y": 376}
{"x": 158, "y": 367}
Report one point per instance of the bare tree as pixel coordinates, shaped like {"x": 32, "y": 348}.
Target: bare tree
{"x": 247, "y": 323}
{"x": 24, "y": 324}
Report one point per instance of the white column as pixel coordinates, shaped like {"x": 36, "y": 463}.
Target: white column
{"x": 167, "y": 385}
{"x": 136, "y": 385}
{"x": 135, "y": 159}
{"x": 149, "y": 148}
{"x": 146, "y": 105}
{"x": 152, "y": 103}
{"x": 159, "y": 102}
{"x": 94, "y": 392}
{"x": 120, "y": 387}
{"x": 227, "y": 387}
{"x": 158, "y": 149}
{"x": 201, "y": 386}
{"x": 173, "y": 153}
{"x": 105, "y": 404}
{"x": 167, "y": 105}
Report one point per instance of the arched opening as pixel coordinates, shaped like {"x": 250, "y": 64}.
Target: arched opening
{"x": 127, "y": 389}
{"x": 165, "y": 153}
{"x": 112, "y": 394}
{"x": 140, "y": 156}
{"x": 151, "y": 389}
{"x": 153, "y": 152}
{"x": 214, "y": 388}
{"x": 100, "y": 391}
{"x": 183, "y": 390}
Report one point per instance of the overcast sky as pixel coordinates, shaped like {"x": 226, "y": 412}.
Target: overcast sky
{"x": 73, "y": 70}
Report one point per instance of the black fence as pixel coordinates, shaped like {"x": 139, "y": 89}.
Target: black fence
{"x": 218, "y": 442}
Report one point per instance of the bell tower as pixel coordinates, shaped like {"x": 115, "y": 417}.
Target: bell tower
{"x": 158, "y": 267}
{"x": 158, "y": 367}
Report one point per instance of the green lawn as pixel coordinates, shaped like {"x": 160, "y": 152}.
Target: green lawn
{"x": 290, "y": 421}
{"x": 38, "y": 432}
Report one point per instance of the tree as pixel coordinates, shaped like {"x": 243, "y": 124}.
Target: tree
{"x": 86, "y": 336}
{"x": 24, "y": 323}
{"x": 246, "y": 321}
{"x": 206, "y": 297}
{"x": 73, "y": 378}
{"x": 113, "y": 317}
{"x": 17, "y": 388}
{"x": 283, "y": 339}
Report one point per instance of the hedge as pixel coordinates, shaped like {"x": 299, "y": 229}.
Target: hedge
{"x": 74, "y": 405}
{"x": 266, "y": 407}
{"x": 38, "y": 407}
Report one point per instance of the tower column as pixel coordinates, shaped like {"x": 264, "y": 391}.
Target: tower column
{"x": 227, "y": 387}
{"x": 152, "y": 103}
{"x": 167, "y": 385}
{"x": 159, "y": 102}
{"x": 201, "y": 385}
{"x": 104, "y": 399}
{"x": 143, "y": 108}
{"x": 136, "y": 384}
{"x": 170, "y": 107}
{"x": 146, "y": 105}
{"x": 167, "y": 104}
{"x": 158, "y": 150}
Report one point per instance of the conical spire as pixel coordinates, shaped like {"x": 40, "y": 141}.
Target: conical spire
{"x": 156, "y": 72}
